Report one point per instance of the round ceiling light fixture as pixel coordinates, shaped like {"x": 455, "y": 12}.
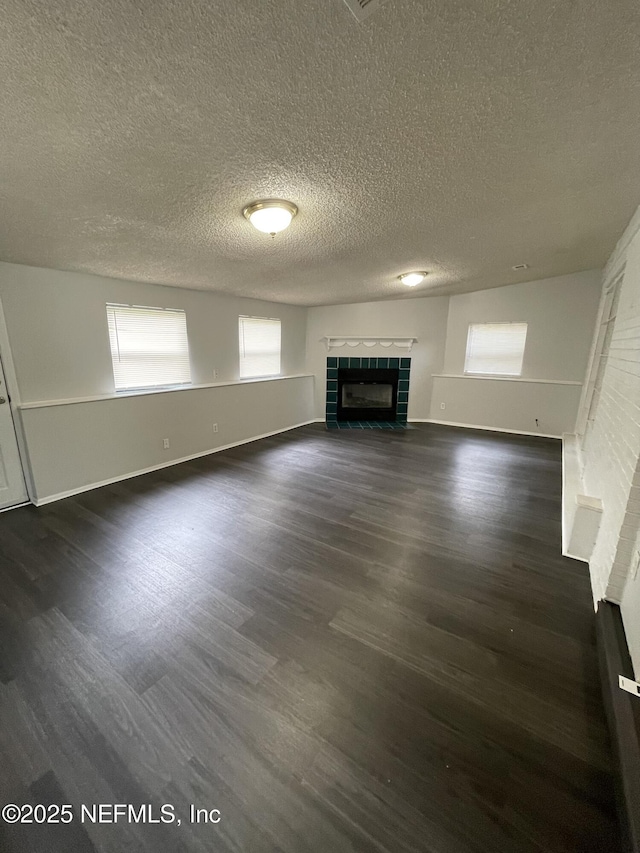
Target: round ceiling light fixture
{"x": 412, "y": 278}
{"x": 271, "y": 215}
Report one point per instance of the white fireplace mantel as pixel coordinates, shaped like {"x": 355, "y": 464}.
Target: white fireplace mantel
{"x": 333, "y": 341}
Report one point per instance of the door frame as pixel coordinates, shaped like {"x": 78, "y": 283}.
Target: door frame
{"x": 611, "y": 287}
{"x": 14, "y": 403}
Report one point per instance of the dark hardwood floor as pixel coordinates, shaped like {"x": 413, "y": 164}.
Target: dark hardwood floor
{"x": 344, "y": 641}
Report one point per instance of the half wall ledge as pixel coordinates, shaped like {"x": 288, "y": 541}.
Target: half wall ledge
{"x": 623, "y": 718}
{"x": 581, "y": 513}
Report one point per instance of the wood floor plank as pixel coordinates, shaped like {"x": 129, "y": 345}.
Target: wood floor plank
{"x": 355, "y": 641}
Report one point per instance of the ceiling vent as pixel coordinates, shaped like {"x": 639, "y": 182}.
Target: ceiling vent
{"x": 361, "y": 9}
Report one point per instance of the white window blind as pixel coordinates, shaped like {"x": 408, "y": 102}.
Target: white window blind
{"x": 496, "y": 348}
{"x": 149, "y": 347}
{"x": 259, "y": 347}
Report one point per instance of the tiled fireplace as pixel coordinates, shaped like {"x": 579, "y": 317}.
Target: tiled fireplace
{"x": 367, "y": 393}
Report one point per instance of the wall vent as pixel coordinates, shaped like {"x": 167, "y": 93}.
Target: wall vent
{"x": 361, "y": 9}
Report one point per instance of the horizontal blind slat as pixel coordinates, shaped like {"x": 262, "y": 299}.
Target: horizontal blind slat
{"x": 149, "y": 347}
{"x": 260, "y": 342}
{"x": 496, "y": 348}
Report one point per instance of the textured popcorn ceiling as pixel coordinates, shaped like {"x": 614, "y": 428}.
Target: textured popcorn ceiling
{"x": 459, "y": 136}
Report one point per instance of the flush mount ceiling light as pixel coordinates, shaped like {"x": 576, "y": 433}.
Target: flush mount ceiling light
{"x": 412, "y": 278}
{"x": 271, "y": 215}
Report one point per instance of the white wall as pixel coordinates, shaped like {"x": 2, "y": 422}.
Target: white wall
{"x": 611, "y": 446}
{"x": 57, "y": 329}
{"x": 73, "y": 446}
{"x": 560, "y": 313}
{"x": 424, "y": 319}
{"x": 60, "y": 344}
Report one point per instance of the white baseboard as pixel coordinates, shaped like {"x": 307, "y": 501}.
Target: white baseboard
{"x": 482, "y": 427}
{"x": 71, "y": 492}
{"x": 574, "y": 557}
{"x": 15, "y": 506}
{"x": 87, "y": 488}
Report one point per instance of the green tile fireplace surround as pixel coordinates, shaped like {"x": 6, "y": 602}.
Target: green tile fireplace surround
{"x": 403, "y": 365}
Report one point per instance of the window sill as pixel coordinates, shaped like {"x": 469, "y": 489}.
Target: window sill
{"x": 502, "y": 378}
{"x": 125, "y": 395}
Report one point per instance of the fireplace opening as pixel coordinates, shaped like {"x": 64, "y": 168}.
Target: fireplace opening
{"x": 367, "y": 394}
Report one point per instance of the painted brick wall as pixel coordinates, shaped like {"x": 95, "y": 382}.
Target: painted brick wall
{"x": 611, "y": 445}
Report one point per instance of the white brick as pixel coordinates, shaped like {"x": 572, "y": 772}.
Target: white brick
{"x": 611, "y": 445}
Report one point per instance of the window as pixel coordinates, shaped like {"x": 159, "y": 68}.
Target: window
{"x": 496, "y": 348}
{"x": 259, "y": 347}
{"x": 149, "y": 347}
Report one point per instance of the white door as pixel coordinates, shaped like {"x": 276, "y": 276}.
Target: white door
{"x": 12, "y": 486}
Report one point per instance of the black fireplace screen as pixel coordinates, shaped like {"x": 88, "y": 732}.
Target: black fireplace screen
{"x": 367, "y": 394}
{"x": 361, "y": 395}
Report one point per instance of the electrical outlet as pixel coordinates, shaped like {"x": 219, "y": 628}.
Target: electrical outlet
{"x": 443, "y": 405}
{"x": 215, "y": 427}
{"x": 165, "y": 443}
{"x": 216, "y": 372}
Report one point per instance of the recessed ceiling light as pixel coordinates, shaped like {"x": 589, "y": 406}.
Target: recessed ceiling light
{"x": 520, "y": 267}
{"x": 412, "y": 278}
{"x": 271, "y": 215}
